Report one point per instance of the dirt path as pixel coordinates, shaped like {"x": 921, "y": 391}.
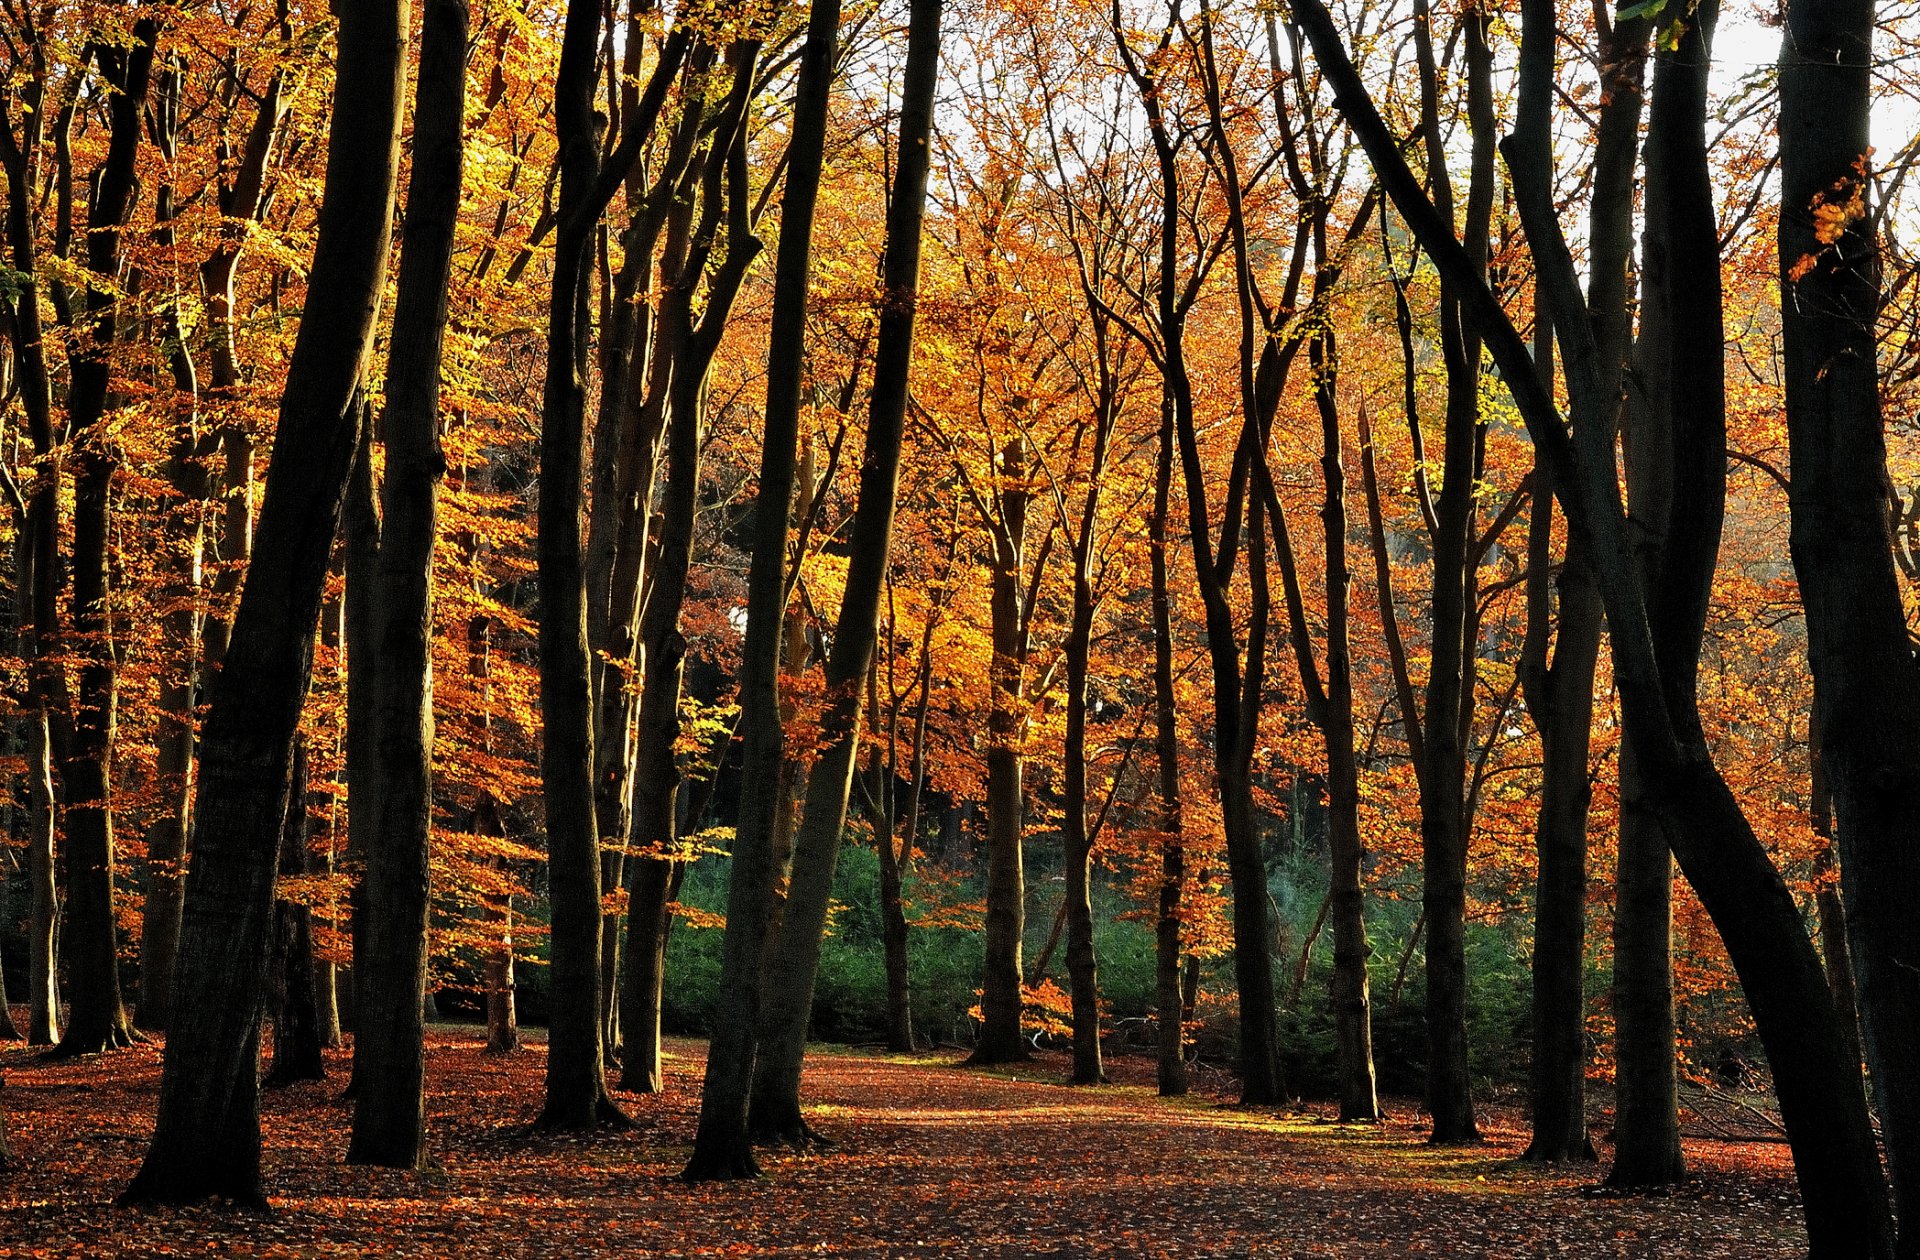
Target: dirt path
{"x": 933, "y": 1160}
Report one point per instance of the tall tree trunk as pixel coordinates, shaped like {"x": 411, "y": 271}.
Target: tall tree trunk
{"x": 207, "y": 1138}
{"x": 36, "y": 551}
{"x": 1000, "y": 1039}
{"x": 296, "y": 1030}
{"x": 1352, "y": 1002}
{"x": 1169, "y": 1006}
{"x": 722, "y": 1149}
{"x": 97, "y": 1020}
{"x": 789, "y": 998}
{"x": 576, "y": 1089}
{"x": 1819, "y": 1090}
{"x": 1447, "y": 708}
{"x": 1560, "y": 692}
{"x": 166, "y": 838}
{"x": 1866, "y": 681}
{"x": 389, "y": 1112}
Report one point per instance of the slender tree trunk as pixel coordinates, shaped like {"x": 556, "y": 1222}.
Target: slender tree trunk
{"x": 389, "y": 1113}
{"x": 722, "y": 1149}
{"x": 1000, "y": 1039}
{"x": 97, "y": 1020}
{"x": 789, "y": 999}
{"x": 1866, "y": 682}
{"x": 1446, "y": 712}
{"x": 296, "y": 1029}
{"x": 1169, "y": 1002}
{"x": 43, "y": 977}
{"x": 207, "y": 1139}
{"x": 166, "y": 838}
{"x": 1560, "y": 694}
{"x": 576, "y": 1089}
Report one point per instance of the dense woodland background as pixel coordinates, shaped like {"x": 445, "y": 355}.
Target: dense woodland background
{"x": 1374, "y": 544}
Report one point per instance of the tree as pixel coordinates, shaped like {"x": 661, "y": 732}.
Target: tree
{"x": 207, "y": 1138}
{"x": 776, "y": 1084}
{"x": 721, "y": 1147}
{"x": 389, "y": 1111}
{"x": 1865, "y": 678}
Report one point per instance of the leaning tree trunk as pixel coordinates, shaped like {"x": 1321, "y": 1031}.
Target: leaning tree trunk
{"x": 207, "y": 1138}
{"x": 789, "y": 999}
{"x": 1866, "y": 681}
{"x": 389, "y": 1102}
{"x": 722, "y": 1149}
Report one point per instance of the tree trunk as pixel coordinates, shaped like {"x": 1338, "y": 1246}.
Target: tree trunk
{"x": 43, "y": 976}
{"x": 1447, "y": 708}
{"x": 97, "y": 1020}
{"x": 775, "y": 1110}
{"x": 1866, "y": 681}
{"x": 1169, "y": 1005}
{"x": 1000, "y": 1039}
{"x": 576, "y": 1089}
{"x": 1560, "y": 694}
{"x": 389, "y": 1112}
{"x": 166, "y": 838}
{"x": 207, "y": 1138}
{"x": 296, "y": 1028}
{"x": 722, "y": 1149}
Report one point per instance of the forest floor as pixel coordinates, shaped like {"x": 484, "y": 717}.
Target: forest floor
{"x": 932, "y": 1159}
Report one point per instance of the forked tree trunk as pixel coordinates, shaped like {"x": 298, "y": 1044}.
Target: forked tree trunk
{"x": 789, "y": 999}
{"x": 207, "y": 1138}
{"x": 722, "y": 1149}
{"x": 389, "y": 1112}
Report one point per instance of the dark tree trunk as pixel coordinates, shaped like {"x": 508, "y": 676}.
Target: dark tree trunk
{"x": 576, "y": 1088}
{"x": 207, "y": 1138}
{"x": 775, "y": 1101}
{"x": 1819, "y": 1089}
{"x": 389, "y": 1112}
{"x": 650, "y": 883}
{"x": 1000, "y": 1040}
{"x": 36, "y": 553}
{"x": 1866, "y": 681}
{"x": 722, "y": 1149}
{"x": 1646, "y": 1117}
{"x": 896, "y": 855}
{"x": 296, "y": 1027}
{"x": 1169, "y": 1003}
{"x": 166, "y": 837}
{"x": 1560, "y": 692}
{"x": 96, "y": 1019}
{"x": 1447, "y": 708}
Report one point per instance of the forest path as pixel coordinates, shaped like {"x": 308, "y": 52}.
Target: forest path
{"x": 933, "y": 1160}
